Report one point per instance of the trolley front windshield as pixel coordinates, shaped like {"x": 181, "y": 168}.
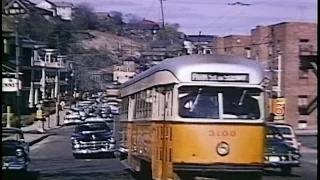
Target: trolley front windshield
{"x": 203, "y": 102}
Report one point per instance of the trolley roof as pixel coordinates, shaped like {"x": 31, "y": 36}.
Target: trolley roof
{"x": 182, "y": 67}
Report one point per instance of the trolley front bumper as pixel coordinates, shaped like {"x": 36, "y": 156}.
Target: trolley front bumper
{"x": 218, "y": 167}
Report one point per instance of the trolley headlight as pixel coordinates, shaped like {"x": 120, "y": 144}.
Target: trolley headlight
{"x": 223, "y": 149}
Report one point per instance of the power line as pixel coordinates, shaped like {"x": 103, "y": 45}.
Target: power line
{"x": 233, "y": 4}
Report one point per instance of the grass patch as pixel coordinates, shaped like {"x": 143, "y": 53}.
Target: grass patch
{"x": 26, "y": 120}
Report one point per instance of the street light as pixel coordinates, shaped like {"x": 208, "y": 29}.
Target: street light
{"x": 15, "y": 9}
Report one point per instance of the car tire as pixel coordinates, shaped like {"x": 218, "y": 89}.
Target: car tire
{"x": 286, "y": 170}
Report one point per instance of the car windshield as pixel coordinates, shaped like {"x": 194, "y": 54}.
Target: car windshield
{"x": 273, "y": 133}
{"x": 202, "y": 102}
{"x": 285, "y": 130}
{"x": 91, "y": 127}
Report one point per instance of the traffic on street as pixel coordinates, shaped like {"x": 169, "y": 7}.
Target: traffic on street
{"x": 57, "y": 157}
{"x": 159, "y": 90}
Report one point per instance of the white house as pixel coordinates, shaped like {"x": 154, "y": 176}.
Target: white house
{"x": 62, "y": 9}
{"x": 198, "y": 44}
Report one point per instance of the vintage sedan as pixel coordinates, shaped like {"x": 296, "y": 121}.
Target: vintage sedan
{"x": 15, "y": 151}
{"x": 72, "y": 117}
{"x": 93, "y": 136}
{"x": 279, "y": 154}
{"x": 288, "y": 133}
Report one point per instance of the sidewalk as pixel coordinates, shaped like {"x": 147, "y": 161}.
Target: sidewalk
{"x": 310, "y": 158}
{"x": 306, "y": 132}
{"x": 32, "y": 136}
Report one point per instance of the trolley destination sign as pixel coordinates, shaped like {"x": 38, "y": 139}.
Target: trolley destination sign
{"x": 220, "y": 77}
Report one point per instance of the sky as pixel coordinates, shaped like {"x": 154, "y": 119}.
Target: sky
{"x": 212, "y": 17}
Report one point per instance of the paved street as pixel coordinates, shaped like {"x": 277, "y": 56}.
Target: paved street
{"x": 309, "y": 141}
{"x": 52, "y": 160}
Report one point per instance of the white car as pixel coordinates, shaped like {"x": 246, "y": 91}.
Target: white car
{"x": 288, "y": 133}
{"x": 72, "y": 118}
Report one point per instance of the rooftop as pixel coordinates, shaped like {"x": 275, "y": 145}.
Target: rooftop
{"x": 200, "y": 38}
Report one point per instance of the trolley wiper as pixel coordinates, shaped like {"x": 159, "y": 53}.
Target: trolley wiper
{"x": 242, "y": 97}
{"x": 196, "y": 100}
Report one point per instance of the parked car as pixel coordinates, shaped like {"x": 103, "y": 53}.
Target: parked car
{"x": 278, "y": 153}
{"x": 287, "y": 132}
{"x": 92, "y": 137}
{"x": 15, "y": 151}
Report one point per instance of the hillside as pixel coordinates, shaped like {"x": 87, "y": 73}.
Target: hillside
{"x": 108, "y": 43}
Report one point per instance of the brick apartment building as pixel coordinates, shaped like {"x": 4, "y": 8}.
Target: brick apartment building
{"x": 295, "y": 45}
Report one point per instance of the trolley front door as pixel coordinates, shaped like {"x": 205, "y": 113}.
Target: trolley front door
{"x": 162, "y": 136}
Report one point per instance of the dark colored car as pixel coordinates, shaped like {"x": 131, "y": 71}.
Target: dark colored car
{"x": 278, "y": 153}
{"x": 15, "y": 151}
{"x": 92, "y": 137}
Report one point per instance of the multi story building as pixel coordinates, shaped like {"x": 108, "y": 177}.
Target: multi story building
{"x": 238, "y": 45}
{"x": 198, "y": 44}
{"x": 288, "y": 52}
{"x": 125, "y": 71}
{"x": 144, "y": 30}
{"x": 62, "y": 9}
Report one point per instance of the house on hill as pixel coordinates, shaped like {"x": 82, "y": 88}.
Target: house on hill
{"x": 62, "y": 9}
{"x": 143, "y": 30}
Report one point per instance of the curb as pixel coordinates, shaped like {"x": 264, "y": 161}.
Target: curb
{"x": 35, "y": 141}
{"x": 31, "y": 143}
{"x": 310, "y": 162}
{"x": 306, "y": 133}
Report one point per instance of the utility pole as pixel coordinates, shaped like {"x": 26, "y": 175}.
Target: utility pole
{"x": 16, "y": 10}
{"x": 198, "y": 45}
{"x": 162, "y": 15}
{"x": 272, "y": 70}
{"x": 17, "y": 72}
{"x": 58, "y": 100}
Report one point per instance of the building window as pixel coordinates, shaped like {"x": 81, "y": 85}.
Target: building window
{"x": 303, "y": 73}
{"x": 46, "y": 58}
{"x": 304, "y": 40}
{"x": 302, "y": 100}
{"x": 270, "y": 49}
{"x": 247, "y": 52}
